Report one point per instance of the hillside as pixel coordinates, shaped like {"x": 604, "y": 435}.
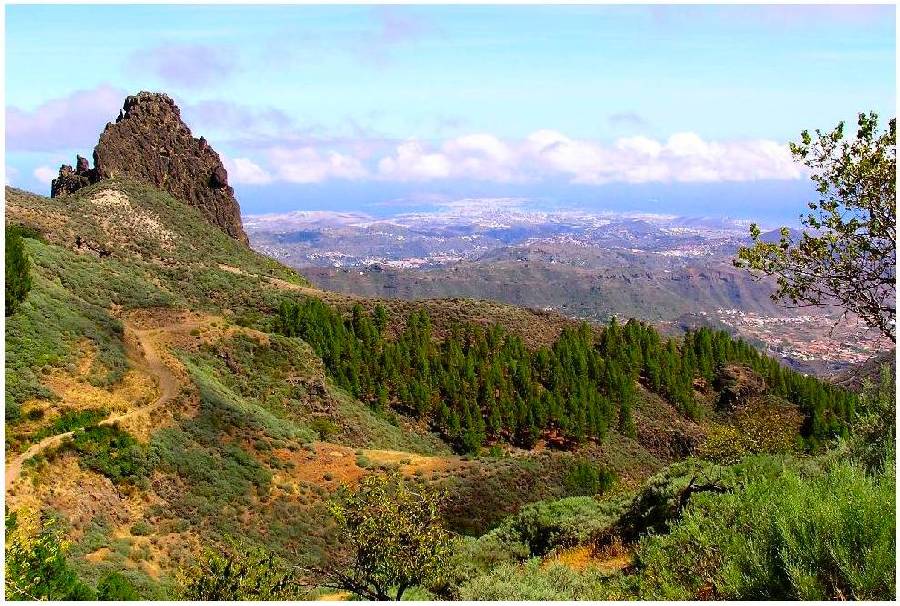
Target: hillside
{"x": 652, "y": 293}
{"x": 680, "y": 277}
{"x": 132, "y": 290}
{"x": 157, "y": 332}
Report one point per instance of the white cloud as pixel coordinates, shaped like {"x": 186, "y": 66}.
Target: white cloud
{"x": 308, "y": 165}
{"x": 11, "y": 174}
{"x": 478, "y": 156}
{"x": 412, "y": 163}
{"x": 244, "y": 170}
{"x": 45, "y": 174}
{"x": 66, "y": 122}
{"x": 548, "y": 151}
{"x": 640, "y": 145}
{"x": 543, "y": 155}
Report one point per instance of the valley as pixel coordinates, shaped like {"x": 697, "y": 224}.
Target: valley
{"x": 674, "y": 272}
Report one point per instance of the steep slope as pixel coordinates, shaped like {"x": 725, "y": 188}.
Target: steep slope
{"x": 143, "y": 342}
{"x": 857, "y": 376}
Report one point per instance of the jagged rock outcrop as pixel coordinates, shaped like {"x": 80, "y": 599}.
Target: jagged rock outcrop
{"x": 71, "y": 180}
{"x": 149, "y": 142}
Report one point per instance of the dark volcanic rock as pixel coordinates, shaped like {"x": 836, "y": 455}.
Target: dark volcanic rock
{"x": 81, "y": 164}
{"x": 68, "y": 181}
{"x": 219, "y": 178}
{"x": 150, "y": 143}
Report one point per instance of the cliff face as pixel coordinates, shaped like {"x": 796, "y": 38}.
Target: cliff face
{"x": 150, "y": 143}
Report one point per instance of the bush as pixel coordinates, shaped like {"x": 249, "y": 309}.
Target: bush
{"x": 71, "y": 420}
{"x": 36, "y": 566}
{"x": 115, "y": 587}
{"x": 535, "y": 582}
{"x": 828, "y": 536}
{"x": 141, "y": 529}
{"x": 18, "y": 273}
{"x": 239, "y": 573}
{"x": 872, "y": 434}
{"x": 324, "y": 427}
{"x": 112, "y": 452}
{"x": 540, "y": 527}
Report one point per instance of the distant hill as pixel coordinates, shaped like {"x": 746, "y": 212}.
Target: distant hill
{"x": 535, "y": 278}
{"x": 855, "y": 377}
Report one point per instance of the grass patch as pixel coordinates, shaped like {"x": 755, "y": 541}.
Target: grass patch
{"x": 43, "y": 333}
{"x": 112, "y": 452}
{"x": 70, "y": 421}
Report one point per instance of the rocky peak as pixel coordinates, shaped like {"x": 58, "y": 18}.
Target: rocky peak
{"x": 149, "y": 142}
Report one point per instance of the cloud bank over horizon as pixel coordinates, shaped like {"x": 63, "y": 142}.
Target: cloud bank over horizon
{"x": 544, "y": 154}
{"x": 62, "y": 124}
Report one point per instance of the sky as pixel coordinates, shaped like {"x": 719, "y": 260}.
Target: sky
{"x": 674, "y": 109}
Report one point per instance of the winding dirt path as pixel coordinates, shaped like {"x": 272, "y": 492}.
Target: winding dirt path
{"x": 277, "y": 282}
{"x": 147, "y": 359}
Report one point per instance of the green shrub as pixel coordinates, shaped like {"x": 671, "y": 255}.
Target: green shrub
{"x": 830, "y": 535}
{"x": 533, "y": 581}
{"x": 18, "y": 273}
{"x": 71, "y": 420}
{"x": 36, "y": 566}
{"x": 540, "y": 527}
{"x": 660, "y": 501}
{"x": 112, "y": 452}
{"x": 872, "y": 434}
{"x": 115, "y": 587}
{"x": 324, "y": 427}
{"x": 141, "y": 528}
{"x": 239, "y": 573}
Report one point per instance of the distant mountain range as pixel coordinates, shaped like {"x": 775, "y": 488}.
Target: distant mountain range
{"x": 674, "y": 271}
{"x": 471, "y": 229}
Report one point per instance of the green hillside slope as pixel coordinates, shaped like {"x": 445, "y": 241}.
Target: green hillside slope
{"x": 170, "y": 391}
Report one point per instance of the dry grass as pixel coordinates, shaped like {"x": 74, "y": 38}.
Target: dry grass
{"x": 121, "y": 219}
{"x": 332, "y": 465}
{"x": 613, "y": 557}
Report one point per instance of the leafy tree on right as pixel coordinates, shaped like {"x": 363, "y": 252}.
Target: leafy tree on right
{"x": 846, "y": 256}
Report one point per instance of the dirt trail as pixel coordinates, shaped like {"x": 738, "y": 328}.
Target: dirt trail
{"x": 147, "y": 359}
{"x": 309, "y": 290}
{"x": 337, "y": 596}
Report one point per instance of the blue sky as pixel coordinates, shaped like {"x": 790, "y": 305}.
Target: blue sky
{"x": 682, "y": 109}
